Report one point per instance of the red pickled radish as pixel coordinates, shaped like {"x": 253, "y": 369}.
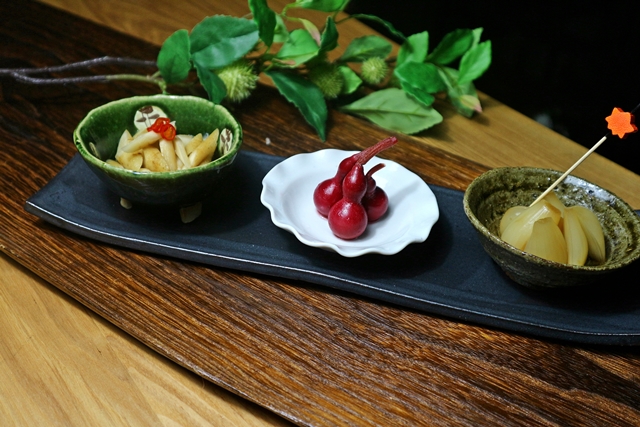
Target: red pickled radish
{"x": 329, "y": 191}
{"x": 348, "y": 218}
{"x": 375, "y": 200}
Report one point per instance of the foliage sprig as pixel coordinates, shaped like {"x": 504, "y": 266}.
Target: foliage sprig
{"x": 229, "y": 53}
{"x": 395, "y": 93}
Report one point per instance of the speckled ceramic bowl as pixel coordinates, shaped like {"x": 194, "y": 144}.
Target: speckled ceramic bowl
{"x": 491, "y": 194}
{"x": 104, "y": 125}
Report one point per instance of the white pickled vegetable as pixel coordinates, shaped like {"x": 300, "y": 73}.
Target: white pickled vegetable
{"x": 517, "y": 233}
{"x": 509, "y": 216}
{"x": 580, "y": 230}
{"x": 577, "y": 246}
{"x": 552, "y": 198}
{"x": 593, "y": 232}
{"x": 547, "y": 241}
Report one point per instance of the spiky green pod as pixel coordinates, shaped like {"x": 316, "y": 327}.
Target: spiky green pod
{"x": 239, "y": 78}
{"x": 374, "y": 70}
{"x": 328, "y": 78}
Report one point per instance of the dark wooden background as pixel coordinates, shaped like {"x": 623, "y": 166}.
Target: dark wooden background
{"x": 312, "y": 355}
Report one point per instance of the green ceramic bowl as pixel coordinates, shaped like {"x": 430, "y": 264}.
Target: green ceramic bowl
{"x": 103, "y": 126}
{"x": 491, "y": 194}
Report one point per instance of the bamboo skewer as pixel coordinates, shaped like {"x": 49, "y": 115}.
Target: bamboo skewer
{"x": 576, "y": 164}
{"x": 564, "y": 175}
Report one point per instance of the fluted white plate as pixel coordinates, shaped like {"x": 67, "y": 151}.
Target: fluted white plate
{"x": 287, "y": 191}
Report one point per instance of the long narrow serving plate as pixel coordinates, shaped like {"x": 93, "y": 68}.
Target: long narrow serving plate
{"x": 449, "y": 274}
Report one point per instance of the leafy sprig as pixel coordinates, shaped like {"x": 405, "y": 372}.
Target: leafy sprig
{"x": 227, "y": 54}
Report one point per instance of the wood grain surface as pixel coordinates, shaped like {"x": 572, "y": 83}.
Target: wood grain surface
{"x": 311, "y": 355}
{"x": 61, "y": 364}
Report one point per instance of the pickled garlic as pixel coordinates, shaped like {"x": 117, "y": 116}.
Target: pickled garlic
{"x": 550, "y": 230}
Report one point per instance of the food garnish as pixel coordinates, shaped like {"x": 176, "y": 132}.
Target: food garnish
{"x": 163, "y": 126}
{"x": 619, "y": 123}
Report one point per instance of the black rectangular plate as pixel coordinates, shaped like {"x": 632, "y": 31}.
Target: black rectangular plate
{"x": 449, "y": 274}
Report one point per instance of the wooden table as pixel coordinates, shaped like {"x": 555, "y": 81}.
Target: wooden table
{"x": 61, "y": 363}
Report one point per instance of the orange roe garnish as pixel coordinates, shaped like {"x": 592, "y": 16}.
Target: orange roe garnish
{"x": 621, "y": 123}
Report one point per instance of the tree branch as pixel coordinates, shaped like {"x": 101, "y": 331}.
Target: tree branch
{"x": 105, "y": 60}
{"x": 24, "y": 74}
{"x": 82, "y": 79}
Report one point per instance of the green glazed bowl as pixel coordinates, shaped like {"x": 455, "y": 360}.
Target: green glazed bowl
{"x": 104, "y": 125}
{"x": 491, "y": 194}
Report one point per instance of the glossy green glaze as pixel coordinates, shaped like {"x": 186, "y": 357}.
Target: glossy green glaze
{"x": 104, "y": 125}
{"x": 491, "y": 194}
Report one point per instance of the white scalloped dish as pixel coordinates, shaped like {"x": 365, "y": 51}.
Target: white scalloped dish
{"x": 287, "y": 191}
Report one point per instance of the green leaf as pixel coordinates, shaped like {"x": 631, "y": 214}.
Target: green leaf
{"x": 395, "y": 110}
{"x": 475, "y": 62}
{"x": 452, "y": 46}
{"x": 471, "y": 102}
{"x": 351, "y": 80}
{"x": 329, "y": 40}
{"x": 265, "y": 18}
{"x": 420, "y": 80}
{"x": 311, "y": 29}
{"x": 465, "y": 100}
{"x": 386, "y": 24}
{"x": 449, "y": 76}
{"x": 363, "y": 48}
{"x": 281, "y": 33}
{"x": 459, "y": 94}
{"x": 420, "y": 95}
{"x": 477, "y": 33}
{"x": 212, "y": 84}
{"x": 299, "y": 48}
{"x": 421, "y": 74}
{"x": 174, "y": 57}
{"x": 414, "y": 48}
{"x": 220, "y": 40}
{"x": 322, "y": 5}
{"x": 306, "y": 96}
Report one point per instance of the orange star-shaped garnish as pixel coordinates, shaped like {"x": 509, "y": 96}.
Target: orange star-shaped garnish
{"x": 621, "y": 123}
